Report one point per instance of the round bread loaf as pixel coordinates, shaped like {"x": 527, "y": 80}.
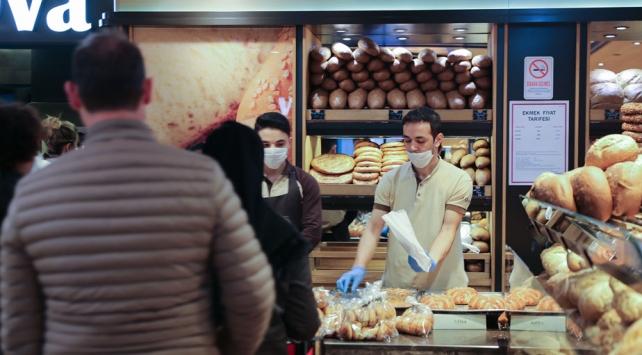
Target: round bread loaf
{"x": 471, "y": 172}
{"x": 467, "y": 161}
{"x": 334, "y": 64}
{"x": 341, "y": 51}
{"x": 366, "y": 182}
{"x": 626, "y": 188}
{"x": 436, "y": 99}
{"x": 415, "y": 99}
{"x": 338, "y": 99}
{"x": 319, "y": 99}
{"x": 482, "y": 152}
{"x": 360, "y": 76}
{"x": 367, "y": 85}
{"x": 455, "y": 100}
{"x": 387, "y": 85}
{"x": 316, "y": 79}
{"x": 376, "y": 65}
{"x": 554, "y": 189}
{"x": 357, "y": 99}
{"x": 347, "y": 85}
{"x": 478, "y": 100}
{"x": 456, "y": 155}
{"x": 459, "y": 55}
{"x": 611, "y": 149}
{"x": 376, "y": 99}
{"x": 554, "y": 260}
{"x": 392, "y": 145}
{"x": 365, "y": 176}
{"x": 386, "y": 55}
{"x": 403, "y": 76}
{"x": 482, "y": 61}
{"x": 381, "y": 75}
{"x": 333, "y": 164}
{"x": 599, "y": 76}
{"x": 447, "y": 86}
{"x": 361, "y": 56}
{"x": 427, "y": 55}
{"x": 575, "y": 262}
{"x": 331, "y": 179}
{"x": 477, "y": 72}
{"x": 354, "y": 66}
{"x": 417, "y": 66}
{"x": 403, "y": 54}
{"x": 365, "y": 143}
{"x": 446, "y": 75}
{"x": 483, "y": 177}
{"x": 396, "y": 99}
{"x": 592, "y": 193}
{"x": 462, "y": 67}
{"x": 430, "y": 85}
{"x": 367, "y": 149}
{"x": 329, "y": 84}
{"x": 368, "y": 45}
{"x": 481, "y": 143}
{"x": 340, "y": 75}
{"x": 468, "y": 89}
{"x": 423, "y": 76}
{"x": 409, "y": 86}
{"x": 439, "y": 65}
{"x": 320, "y": 54}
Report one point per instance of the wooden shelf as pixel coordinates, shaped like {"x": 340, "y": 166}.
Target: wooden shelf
{"x": 604, "y": 115}
{"x": 387, "y": 128}
{"x": 367, "y": 190}
{"x": 389, "y": 114}
{"x": 602, "y": 128}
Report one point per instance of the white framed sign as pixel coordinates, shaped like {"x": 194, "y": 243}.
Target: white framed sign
{"x": 538, "y": 139}
{"x": 538, "y": 78}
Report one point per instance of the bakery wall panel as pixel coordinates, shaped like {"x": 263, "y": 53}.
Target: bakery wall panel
{"x": 204, "y": 76}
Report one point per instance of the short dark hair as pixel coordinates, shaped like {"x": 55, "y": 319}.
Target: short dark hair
{"x": 273, "y": 120}
{"x": 20, "y": 135}
{"x": 109, "y": 72}
{"x": 424, "y": 114}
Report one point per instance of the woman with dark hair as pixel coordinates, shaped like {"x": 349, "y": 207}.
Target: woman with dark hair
{"x": 239, "y": 151}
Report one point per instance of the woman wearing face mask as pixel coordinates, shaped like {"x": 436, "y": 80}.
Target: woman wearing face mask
{"x": 289, "y": 190}
{"x": 435, "y": 194}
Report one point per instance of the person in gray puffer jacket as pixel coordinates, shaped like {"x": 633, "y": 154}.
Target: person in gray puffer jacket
{"x": 111, "y": 249}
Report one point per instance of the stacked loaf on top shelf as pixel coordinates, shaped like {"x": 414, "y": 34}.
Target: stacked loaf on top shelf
{"x": 610, "y": 90}
{"x": 476, "y": 163}
{"x": 377, "y": 77}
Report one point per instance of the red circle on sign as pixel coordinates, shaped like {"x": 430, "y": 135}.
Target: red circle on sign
{"x": 538, "y": 69}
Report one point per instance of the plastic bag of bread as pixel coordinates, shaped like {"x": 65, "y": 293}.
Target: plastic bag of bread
{"x": 417, "y": 321}
{"x": 599, "y": 76}
{"x": 626, "y": 301}
{"x": 631, "y": 342}
{"x": 629, "y": 76}
{"x": 398, "y": 297}
{"x": 582, "y": 281}
{"x": 606, "y": 96}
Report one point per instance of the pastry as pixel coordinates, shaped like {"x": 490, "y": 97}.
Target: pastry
{"x": 515, "y": 303}
{"x": 415, "y": 323}
{"x": 548, "y": 304}
{"x": 626, "y": 301}
{"x": 331, "y": 179}
{"x": 632, "y": 127}
{"x": 397, "y": 296}
{"x": 592, "y": 193}
{"x": 487, "y": 303}
{"x": 611, "y": 149}
{"x": 595, "y": 300}
{"x": 624, "y": 182}
{"x": 333, "y": 164}
{"x": 437, "y": 301}
{"x": 554, "y": 260}
{"x": 461, "y": 295}
{"x": 576, "y": 262}
{"x": 530, "y": 295}
{"x": 631, "y": 342}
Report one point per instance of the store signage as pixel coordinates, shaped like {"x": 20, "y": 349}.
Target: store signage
{"x": 539, "y": 139}
{"x": 538, "y": 78}
{"x": 72, "y": 15}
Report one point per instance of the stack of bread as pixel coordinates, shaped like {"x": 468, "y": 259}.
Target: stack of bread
{"x": 332, "y": 168}
{"x": 368, "y": 158}
{"x": 609, "y": 184}
{"x": 376, "y": 77}
{"x": 480, "y": 234}
{"x": 610, "y": 90}
{"x": 394, "y": 155}
{"x": 476, "y": 163}
{"x": 631, "y": 117}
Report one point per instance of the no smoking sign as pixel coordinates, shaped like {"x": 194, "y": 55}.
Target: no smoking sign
{"x": 538, "y": 78}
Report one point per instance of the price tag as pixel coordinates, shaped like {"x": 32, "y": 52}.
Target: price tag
{"x": 459, "y": 321}
{"x": 538, "y": 323}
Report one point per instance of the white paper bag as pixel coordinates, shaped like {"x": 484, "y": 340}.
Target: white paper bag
{"x": 400, "y": 225}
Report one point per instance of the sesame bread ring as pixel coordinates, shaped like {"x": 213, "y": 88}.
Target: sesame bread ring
{"x": 367, "y": 149}
{"x": 392, "y": 144}
{"x": 637, "y": 118}
{"x": 369, "y": 158}
{"x": 365, "y": 176}
{"x": 367, "y": 169}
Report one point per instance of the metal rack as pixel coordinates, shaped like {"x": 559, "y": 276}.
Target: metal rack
{"x": 615, "y": 246}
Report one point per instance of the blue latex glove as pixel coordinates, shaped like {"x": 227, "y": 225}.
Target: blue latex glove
{"x": 351, "y": 279}
{"x": 416, "y": 268}
{"x": 384, "y": 232}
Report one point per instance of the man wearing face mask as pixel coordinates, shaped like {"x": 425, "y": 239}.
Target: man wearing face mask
{"x": 435, "y": 194}
{"x": 289, "y": 190}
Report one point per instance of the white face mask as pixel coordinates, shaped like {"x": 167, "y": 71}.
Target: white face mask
{"x": 420, "y": 160}
{"x": 275, "y": 157}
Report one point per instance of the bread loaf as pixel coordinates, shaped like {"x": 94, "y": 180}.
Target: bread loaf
{"x": 338, "y": 99}
{"x": 367, "y": 85}
{"x": 463, "y": 78}
{"x": 554, "y": 260}
{"x": 398, "y": 66}
{"x": 381, "y": 75}
{"x": 626, "y": 188}
{"x": 477, "y": 72}
{"x": 455, "y": 100}
{"x": 482, "y": 152}
{"x": 468, "y": 89}
{"x": 626, "y": 301}
{"x": 436, "y": 99}
{"x": 354, "y": 66}
{"x": 376, "y": 99}
{"x": 462, "y": 67}
{"x": 477, "y": 101}
{"x": 582, "y": 281}
{"x": 481, "y": 143}
{"x": 368, "y": 45}
{"x": 347, "y": 85}
{"x": 447, "y": 86}
{"x": 402, "y": 77}
{"x": 357, "y": 99}
{"x": 628, "y": 77}
{"x": 340, "y": 75}
{"x": 575, "y": 262}
{"x": 386, "y": 55}
{"x": 483, "y": 177}
{"x": 427, "y": 55}
{"x": 328, "y": 84}
{"x": 423, "y": 76}
{"x": 360, "y": 76}
{"x": 333, "y": 164}
{"x": 459, "y": 55}
{"x": 402, "y": 54}
{"x": 317, "y": 67}
{"x": 334, "y": 64}
{"x": 471, "y": 172}
{"x": 316, "y": 79}
{"x": 456, "y": 156}
{"x": 554, "y": 189}
{"x": 606, "y": 96}
{"x": 611, "y": 149}
{"x": 415, "y": 99}
{"x": 467, "y": 161}
{"x": 417, "y": 66}
{"x": 482, "y": 61}
{"x": 376, "y": 65}
{"x": 361, "y": 56}
{"x": 446, "y": 75}
{"x": 319, "y": 99}
{"x": 430, "y": 85}
{"x": 599, "y": 76}
{"x": 408, "y": 86}
{"x": 320, "y": 54}
{"x": 595, "y": 301}
{"x": 342, "y": 51}
{"x": 439, "y": 65}
{"x": 592, "y": 193}
{"x": 396, "y": 99}
{"x": 387, "y": 85}
{"x": 482, "y": 162}
{"x": 633, "y": 93}
{"x": 483, "y": 83}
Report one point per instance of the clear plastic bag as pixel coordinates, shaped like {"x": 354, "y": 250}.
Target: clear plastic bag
{"x": 416, "y": 320}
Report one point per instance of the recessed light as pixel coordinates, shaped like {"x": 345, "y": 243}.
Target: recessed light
{"x": 402, "y": 38}
{"x": 341, "y": 30}
{"x": 346, "y": 38}
{"x": 400, "y": 30}
{"x": 622, "y": 28}
{"x": 600, "y": 64}
{"x": 610, "y": 35}
{"x": 275, "y": 52}
{"x": 459, "y": 38}
{"x": 636, "y": 43}
{"x": 461, "y": 29}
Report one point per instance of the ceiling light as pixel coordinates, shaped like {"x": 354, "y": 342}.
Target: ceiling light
{"x": 342, "y": 31}
{"x": 459, "y": 38}
{"x": 600, "y": 64}
{"x": 622, "y": 28}
{"x": 402, "y": 38}
{"x": 346, "y": 38}
{"x": 610, "y": 35}
{"x": 400, "y": 30}
{"x": 461, "y": 29}
{"x": 636, "y": 43}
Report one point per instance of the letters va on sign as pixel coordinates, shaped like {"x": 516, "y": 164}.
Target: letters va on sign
{"x": 25, "y": 15}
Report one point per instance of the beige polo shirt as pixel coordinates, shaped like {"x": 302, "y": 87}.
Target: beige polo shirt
{"x": 448, "y": 187}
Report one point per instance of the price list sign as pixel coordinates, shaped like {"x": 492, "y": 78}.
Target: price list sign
{"x": 538, "y": 139}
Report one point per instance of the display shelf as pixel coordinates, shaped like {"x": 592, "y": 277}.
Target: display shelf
{"x": 392, "y": 115}
{"x": 376, "y": 128}
{"x": 604, "y": 115}
{"x": 615, "y": 246}
{"x": 365, "y": 202}
{"x": 602, "y": 128}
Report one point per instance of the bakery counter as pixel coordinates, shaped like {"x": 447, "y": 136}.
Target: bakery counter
{"x": 464, "y": 342}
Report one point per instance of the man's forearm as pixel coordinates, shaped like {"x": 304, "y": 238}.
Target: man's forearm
{"x": 440, "y": 248}
{"x": 366, "y": 249}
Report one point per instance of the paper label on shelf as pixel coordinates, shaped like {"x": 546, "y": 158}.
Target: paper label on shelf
{"x": 445, "y": 321}
{"x": 538, "y": 139}
{"x": 540, "y": 323}
{"x": 538, "y": 78}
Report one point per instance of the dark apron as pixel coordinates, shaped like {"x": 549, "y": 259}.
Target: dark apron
{"x": 290, "y": 205}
